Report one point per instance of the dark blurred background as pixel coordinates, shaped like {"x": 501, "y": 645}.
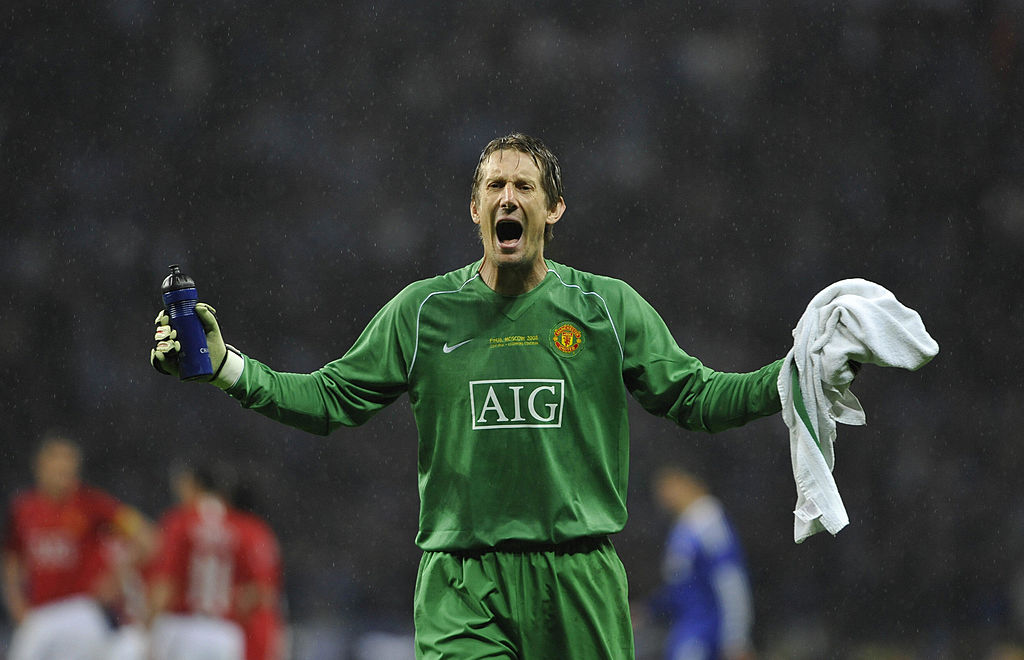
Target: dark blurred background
{"x": 304, "y": 161}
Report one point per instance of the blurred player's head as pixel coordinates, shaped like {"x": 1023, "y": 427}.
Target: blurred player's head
{"x": 244, "y": 497}
{"x": 57, "y": 465}
{"x": 190, "y": 481}
{"x": 516, "y": 199}
{"x": 675, "y": 488}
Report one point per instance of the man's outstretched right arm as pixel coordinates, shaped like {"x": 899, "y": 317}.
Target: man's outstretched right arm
{"x": 345, "y": 392}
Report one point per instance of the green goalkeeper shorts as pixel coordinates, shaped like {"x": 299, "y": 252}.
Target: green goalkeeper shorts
{"x": 563, "y": 602}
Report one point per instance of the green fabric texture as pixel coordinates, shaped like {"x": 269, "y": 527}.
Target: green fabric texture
{"x": 520, "y": 402}
{"x": 529, "y": 606}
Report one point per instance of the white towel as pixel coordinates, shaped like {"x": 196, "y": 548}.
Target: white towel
{"x": 850, "y": 320}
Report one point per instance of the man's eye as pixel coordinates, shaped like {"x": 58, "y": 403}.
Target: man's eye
{"x": 495, "y": 184}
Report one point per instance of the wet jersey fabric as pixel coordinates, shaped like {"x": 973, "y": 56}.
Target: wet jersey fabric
{"x": 519, "y": 401}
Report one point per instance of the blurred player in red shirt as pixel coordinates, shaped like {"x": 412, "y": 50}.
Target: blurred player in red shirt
{"x": 258, "y": 600}
{"x": 53, "y": 559}
{"x": 215, "y": 568}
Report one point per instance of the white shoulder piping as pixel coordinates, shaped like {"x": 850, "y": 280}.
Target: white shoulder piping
{"x": 419, "y": 311}
{"x": 622, "y": 354}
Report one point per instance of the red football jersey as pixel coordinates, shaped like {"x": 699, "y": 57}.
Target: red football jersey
{"x": 264, "y": 635}
{"x": 59, "y": 542}
{"x": 202, "y": 555}
{"x": 263, "y": 627}
{"x": 262, "y": 556}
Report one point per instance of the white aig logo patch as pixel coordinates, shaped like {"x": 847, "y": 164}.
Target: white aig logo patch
{"x": 528, "y": 403}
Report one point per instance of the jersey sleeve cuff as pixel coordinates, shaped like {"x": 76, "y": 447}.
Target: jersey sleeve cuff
{"x": 234, "y": 364}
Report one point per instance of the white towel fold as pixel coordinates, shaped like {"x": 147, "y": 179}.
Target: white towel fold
{"x": 850, "y": 320}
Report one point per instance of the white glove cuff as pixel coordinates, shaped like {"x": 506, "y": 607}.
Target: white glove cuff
{"x": 229, "y": 374}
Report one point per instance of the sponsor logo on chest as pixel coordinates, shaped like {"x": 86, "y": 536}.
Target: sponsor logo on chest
{"x": 517, "y": 403}
{"x": 53, "y": 549}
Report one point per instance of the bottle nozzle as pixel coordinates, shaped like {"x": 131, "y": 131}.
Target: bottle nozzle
{"x": 176, "y": 280}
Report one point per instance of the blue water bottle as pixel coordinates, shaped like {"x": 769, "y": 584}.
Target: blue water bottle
{"x": 179, "y": 293}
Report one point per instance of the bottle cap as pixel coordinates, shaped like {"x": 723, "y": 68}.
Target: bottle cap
{"x": 177, "y": 280}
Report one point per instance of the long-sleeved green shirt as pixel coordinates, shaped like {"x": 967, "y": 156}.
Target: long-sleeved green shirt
{"x": 520, "y": 401}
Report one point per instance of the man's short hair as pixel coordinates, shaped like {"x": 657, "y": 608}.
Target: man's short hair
{"x": 543, "y": 158}
{"x": 210, "y": 477}
{"x": 677, "y": 471}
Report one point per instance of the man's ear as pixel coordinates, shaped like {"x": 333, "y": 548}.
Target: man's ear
{"x": 555, "y": 213}
{"x": 473, "y": 213}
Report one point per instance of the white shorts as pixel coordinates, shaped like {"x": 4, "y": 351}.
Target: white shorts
{"x": 129, "y": 642}
{"x": 69, "y": 629}
{"x": 195, "y": 637}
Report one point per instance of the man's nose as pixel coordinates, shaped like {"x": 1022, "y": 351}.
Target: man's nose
{"x": 508, "y": 195}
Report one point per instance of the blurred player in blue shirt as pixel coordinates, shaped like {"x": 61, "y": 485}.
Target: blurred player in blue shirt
{"x": 706, "y": 594}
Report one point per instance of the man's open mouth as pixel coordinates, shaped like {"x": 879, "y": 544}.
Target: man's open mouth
{"x": 508, "y": 232}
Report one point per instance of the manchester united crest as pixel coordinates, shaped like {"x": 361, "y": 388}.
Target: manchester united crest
{"x": 567, "y": 338}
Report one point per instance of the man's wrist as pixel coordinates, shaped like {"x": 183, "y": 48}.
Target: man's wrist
{"x": 232, "y": 369}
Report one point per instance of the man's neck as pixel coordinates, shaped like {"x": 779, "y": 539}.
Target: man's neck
{"x": 58, "y": 494}
{"x": 513, "y": 281}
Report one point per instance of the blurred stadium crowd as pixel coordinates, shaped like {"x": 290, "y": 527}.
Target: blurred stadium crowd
{"x": 729, "y": 159}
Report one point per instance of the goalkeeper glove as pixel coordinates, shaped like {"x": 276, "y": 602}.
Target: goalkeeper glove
{"x": 164, "y": 356}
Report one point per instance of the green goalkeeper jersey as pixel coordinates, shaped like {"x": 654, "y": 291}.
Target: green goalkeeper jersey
{"x": 520, "y": 401}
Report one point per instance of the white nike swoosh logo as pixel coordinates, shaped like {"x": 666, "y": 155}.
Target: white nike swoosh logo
{"x": 448, "y": 349}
